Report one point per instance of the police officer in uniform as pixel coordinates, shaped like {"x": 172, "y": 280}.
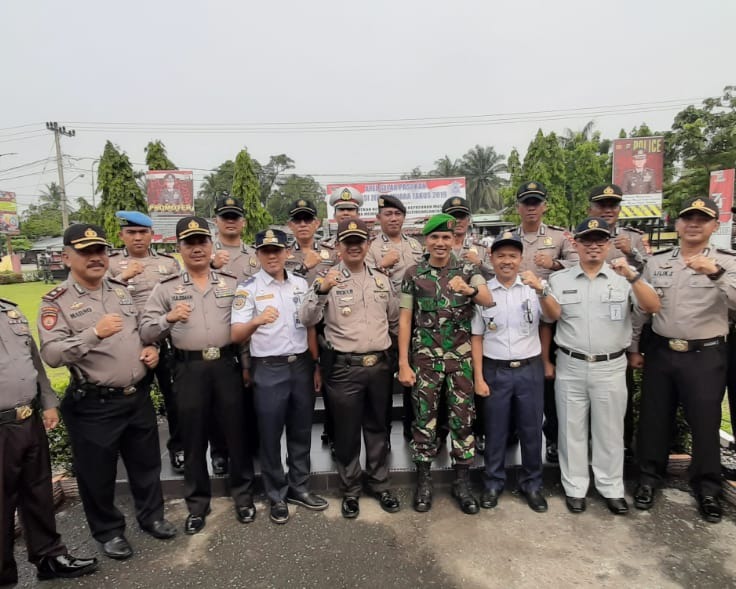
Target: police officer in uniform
{"x": 232, "y": 255}
{"x": 141, "y": 268}
{"x": 305, "y": 257}
{"x": 25, "y": 469}
{"x": 686, "y": 358}
{"x": 89, "y": 323}
{"x": 284, "y": 370}
{"x": 437, "y": 297}
{"x": 592, "y": 306}
{"x": 346, "y": 201}
{"x": 640, "y": 179}
{"x": 507, "y": 362}
{"x": 464, "y": 248}
{"x": 357, "y": 370}
{"x": 546, "y": 249}
{"x": 194, "y": 308}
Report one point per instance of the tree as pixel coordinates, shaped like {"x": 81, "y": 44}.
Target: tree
{"x": 214, "y": 184}
{"x": 415, "y": 174}
{"x": 43, "y": 219}
{"x": 246, "y": 187}
{"x": 268, "y": 174}
{"x": 447, "y": 168}
{"x": 290, "y": 189}
{"x": 481, "y": 167}
{"x": 116, "y": 181}
{"x": 85, "y": 212}
{"x": 156, "y": 158}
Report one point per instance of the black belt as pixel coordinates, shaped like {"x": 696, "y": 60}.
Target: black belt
{"x": 20, "y": 413}
{"x": 95, "y": 390}
{"x": 208, "y": 354}
{"x": 367, "y": 360}
{"x": 592, "y": 357}
{"x": 511, "y": 363}
{"x": 280, "y": 359}
{"x": 692, "y": 345}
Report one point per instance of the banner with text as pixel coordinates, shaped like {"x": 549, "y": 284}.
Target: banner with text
{"x": 721, "y": 191}
{"x": 170, "y": 192}
{"x": 638, "y": 166}
{"x": 8, "y": 214}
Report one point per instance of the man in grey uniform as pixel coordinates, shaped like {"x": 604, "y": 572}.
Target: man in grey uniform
{"x": 593, "y": 332}
{"x": 305, "y": 257}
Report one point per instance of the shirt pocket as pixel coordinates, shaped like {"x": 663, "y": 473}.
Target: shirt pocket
{"x": 572, "y": 304}
{"x": 700, "y": 281}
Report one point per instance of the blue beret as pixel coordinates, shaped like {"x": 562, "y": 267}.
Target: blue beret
{"x": 133, "y": 219}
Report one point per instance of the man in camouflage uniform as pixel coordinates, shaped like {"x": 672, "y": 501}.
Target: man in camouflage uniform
{"x": 437, "y": 298}
{"x": 640, "y": 179}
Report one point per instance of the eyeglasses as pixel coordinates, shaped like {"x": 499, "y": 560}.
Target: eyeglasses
{"x": 230, "y": 216}
{"x": 302, "y": 220}
{"x": 590, "y": 242}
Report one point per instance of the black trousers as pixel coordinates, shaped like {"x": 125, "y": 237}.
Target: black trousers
{"x": 284, "y": 398}
{"x": 25, "y": 483}
{"x": 551, "y": 423}
{"x": 101, "y": 429}
{"x": 207, "y": 390}
{"x": 218, "y": 444}
{"x": 695, "y": 379}
{"x": 731, "y": 378}
{"x": 358, "y": 397}
{"x": 163, "y": 377}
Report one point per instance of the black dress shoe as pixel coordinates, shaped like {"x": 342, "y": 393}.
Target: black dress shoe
{"x": 535, "y": 500}
{"x": 728, "y": 473}
{"x": 551, "y": 453}
{"x": 279, "y": 512}
{"x": 350, "y": 507}
{"x": 219, "y": 465}
{"x": 306, "y": 499}
{"x": 65, "y": 566}
{"x": 195, "y": 523}
{"x": 177, "y": 461}
{"x": 246, "y": 511}
{"x": 160, "y": 529}
{"x": 117, "y": 548}
{"x": 489, "y": 498}
{"x": 617, "y": 505}
{"x": 644, "y": 497}
{"x": 710, "y": 508}
{"x": 389, "y": 502}
{"x": 575, "y": 504}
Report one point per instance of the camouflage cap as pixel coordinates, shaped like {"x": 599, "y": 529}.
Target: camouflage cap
{"x": 440, "y": 222}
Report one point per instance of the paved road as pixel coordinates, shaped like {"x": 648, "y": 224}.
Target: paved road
{"x": 510, "y": 546}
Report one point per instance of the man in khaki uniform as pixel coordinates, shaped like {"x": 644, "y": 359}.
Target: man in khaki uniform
{"x": 89, "y": 323}
{"x": 546, "y": 249}
{"x": 465, "y": 249}
{"x": 686, "y": 358}
{"x": 347, "y": 202}
{"x": 194, "y": 309}
{"x": 141, "y": 268}
{"x": 25, "y": 469}
{"x": 305, "y": 257}
{"x": 356, "y": 368}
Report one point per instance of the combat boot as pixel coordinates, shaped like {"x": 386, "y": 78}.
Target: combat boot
{"x": 461, "y": 491}
{"x": 423, "y": 492}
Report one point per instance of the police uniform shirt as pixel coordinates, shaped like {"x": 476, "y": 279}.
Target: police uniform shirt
{"x": 209, "y": 322}
{"x": 510, "y": 327}
{"x": 285, "y": 336}
{"x": 693, "y": 306}
{"x": 595, "y": 314}
{"x": 295, "y": 261}
{"x": 410, "y": 252}
{"x": 548, "y": 239}
{"x": 20, "y": 363}
{"x": 636, "y": 182}
{"x": 66, "y": 324}
{"x": 469, "y": 246}
{"x": 155, "y": 268}
{"x": 243, "y": 260}
{"x": 359, "y": 312}
{"x": 640, "y": 250}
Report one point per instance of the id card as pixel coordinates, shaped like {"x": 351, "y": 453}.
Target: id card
{"x": 616, "y": 311}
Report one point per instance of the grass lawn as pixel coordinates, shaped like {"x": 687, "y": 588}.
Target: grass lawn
{"x": 28, "y": 297}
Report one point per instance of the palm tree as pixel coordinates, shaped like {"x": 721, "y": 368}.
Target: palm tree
{"x": 447, "y": 168}
{"x": 481, "y": 167}
{"x": 570, "y": 137}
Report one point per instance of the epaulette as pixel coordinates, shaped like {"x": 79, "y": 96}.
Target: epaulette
{"x": 328, "y": 243}
{"x": 169, "y": 277}
{"x": 8, "y": 302}
{"x": 113, "y": 254}
{"x": 116, "y": 281}
{"x": 725, "y": 251}
{"x": 634, "y": 230}
{"x": 225, "y": 273}
{"x": 664, "y": 251}
{"x": 165, "y": 255}
{"x": 250, "y": 280}
{"x": 55, "y": 293}
{"x": 556, "y": 227}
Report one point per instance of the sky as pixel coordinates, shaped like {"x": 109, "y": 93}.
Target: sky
{"x": 341, "y": 87}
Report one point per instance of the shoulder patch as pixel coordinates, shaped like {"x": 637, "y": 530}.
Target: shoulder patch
{"x": 169, "y": 277}
{"x": 55, "y": 293}
{"x": 225, "y": 273}
{"x": 725, "y": 251}
{"x": 664, "y": 251}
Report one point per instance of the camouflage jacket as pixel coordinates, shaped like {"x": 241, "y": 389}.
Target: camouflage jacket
{"x": 441, "y": 319}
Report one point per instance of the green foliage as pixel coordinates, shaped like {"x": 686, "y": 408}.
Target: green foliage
{"x": 156, "y": 158}
{"x": 119, "y": 189}
{"x": 246, "y": 187}
{"x": 481, "y": 167}
{"x": 292, "y": 188}
{"x": 20, "y": 243}
{"x": 214, "y": 184}
{"x": 447, "y": 168}
{"x": 85, "y": 212}
{"x": 43, "y": 219}
{"x": 268, "y": 174}
{"x": 7, "y": 277}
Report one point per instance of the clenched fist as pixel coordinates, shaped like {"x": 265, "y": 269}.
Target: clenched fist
{"x": 133, "y": 269}
{"x": 220, "y": 258}
{"x": 108, "y": 325}
{"x": 269, "y": 315}
{"x": 180, "y": 312}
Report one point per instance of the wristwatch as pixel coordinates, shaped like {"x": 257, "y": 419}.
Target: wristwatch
{"x": 720, "y": 271}
{"x": 475, "y": 292}
{"x": 545, "y": 290}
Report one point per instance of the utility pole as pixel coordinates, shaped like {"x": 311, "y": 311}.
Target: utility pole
{"x": 58, "y": 132}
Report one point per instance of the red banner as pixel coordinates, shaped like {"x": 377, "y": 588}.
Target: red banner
{"x": 170, "y": 192}
{"x": 721, "y": 191}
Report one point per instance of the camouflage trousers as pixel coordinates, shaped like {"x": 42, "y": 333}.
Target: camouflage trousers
{"x": 454, "y": 379}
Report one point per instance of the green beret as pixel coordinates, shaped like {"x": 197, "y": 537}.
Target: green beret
{"x": 441, "y": 222}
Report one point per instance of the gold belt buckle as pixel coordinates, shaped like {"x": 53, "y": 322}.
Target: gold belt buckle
{"x": 23, "y": 412}
{"x": 370, "y": 360}
{"x": 211, "y": 353}
{"x": 591, "y": 358}
{"x": 129, "y": 390}
{"x": 514, "y": 364}
{"x": 678, "y": 345}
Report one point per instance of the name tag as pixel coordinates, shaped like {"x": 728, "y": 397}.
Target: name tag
{"x": 264, "y": 297}
{"x": 616, "y": 311}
